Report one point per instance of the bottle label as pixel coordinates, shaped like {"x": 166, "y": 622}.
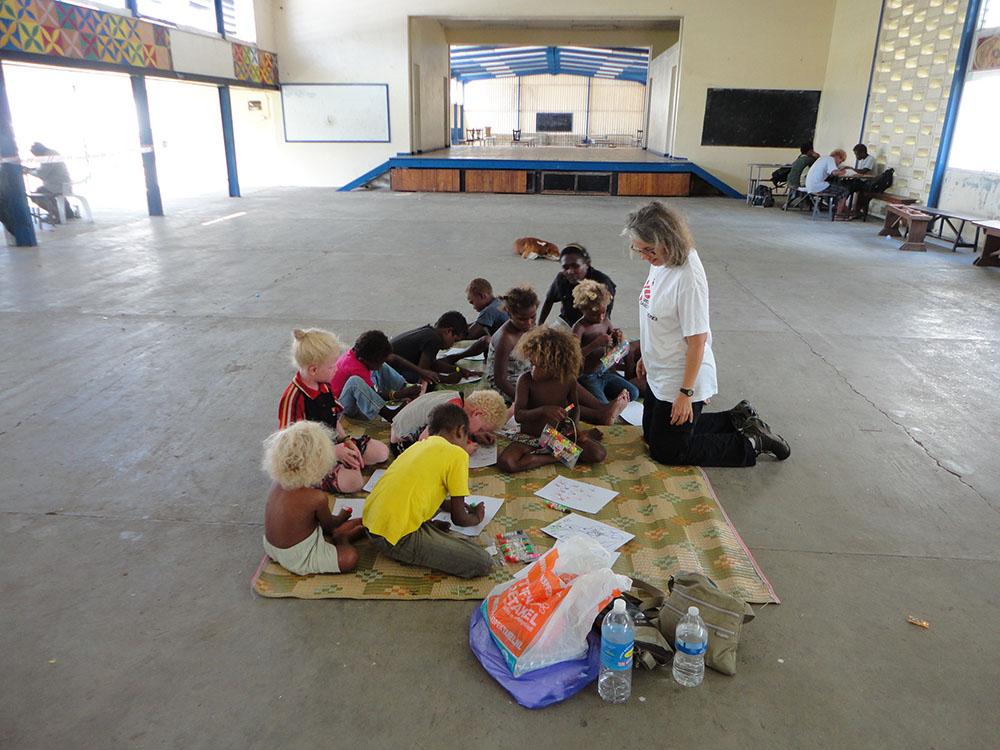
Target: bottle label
{"x": 691, "y": 648}
{"x": 616, "y": 656}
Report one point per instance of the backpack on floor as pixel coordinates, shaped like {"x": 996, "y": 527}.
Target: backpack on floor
{"x": 762, "y": 196}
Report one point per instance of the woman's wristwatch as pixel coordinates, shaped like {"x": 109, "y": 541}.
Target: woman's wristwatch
{"x": 689, "y": 392}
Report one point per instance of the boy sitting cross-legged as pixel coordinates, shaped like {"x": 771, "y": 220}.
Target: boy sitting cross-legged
{"x": 364, "y": 381}
{"x": 428, "y": 477}
{"x": 297, "y": 516}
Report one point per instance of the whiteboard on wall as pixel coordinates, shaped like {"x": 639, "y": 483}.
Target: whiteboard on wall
{"x": 336, "y": 112}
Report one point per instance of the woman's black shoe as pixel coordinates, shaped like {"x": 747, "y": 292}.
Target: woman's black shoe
{"x": 765, "y": 440}
{"x": 742, "y": 413}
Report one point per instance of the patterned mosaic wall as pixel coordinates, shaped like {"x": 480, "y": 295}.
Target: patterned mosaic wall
{"x": 255, "y": 65}
{"x": 917, "y": 47}
{"x": 47, "y": 27}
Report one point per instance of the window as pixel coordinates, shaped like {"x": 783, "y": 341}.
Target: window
{"x": 991, "y": 14}
{"x": 102, "y": 4}
{"x": 195, "y": 14}
{"x": 976, "y": 142}
{"x": 238, "y": 20}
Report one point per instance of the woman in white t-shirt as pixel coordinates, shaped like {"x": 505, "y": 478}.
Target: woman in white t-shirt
{"x": 676, "y": 355}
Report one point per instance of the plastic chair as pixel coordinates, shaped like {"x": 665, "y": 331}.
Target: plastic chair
{"x": 70, "y": 195}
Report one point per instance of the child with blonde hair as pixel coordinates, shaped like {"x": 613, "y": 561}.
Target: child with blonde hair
{"x": 547, "y": 395}
{"x": 487, "y": 412}
{"x": 297, "y": 518}
{"x": 597, "y": 336}
{"x": 309, "y": 397}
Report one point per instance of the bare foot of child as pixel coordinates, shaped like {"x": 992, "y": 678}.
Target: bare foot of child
{"x": 594, "y": 434}
{"x": 348, "y": 531}
{"x": 618, "y": 405}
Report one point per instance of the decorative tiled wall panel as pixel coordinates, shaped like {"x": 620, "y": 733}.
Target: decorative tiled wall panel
{"x": 917, "y": 47}
{"x": 255, "y": 65}
{"x": 47, "y": 27}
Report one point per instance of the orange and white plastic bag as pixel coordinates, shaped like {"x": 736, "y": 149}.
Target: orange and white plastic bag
{"x": 543, "y": 615}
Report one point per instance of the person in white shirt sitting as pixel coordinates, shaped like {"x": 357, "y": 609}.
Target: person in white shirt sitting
{"x": 864, "y": 162}
{"x": 817, "y": 179}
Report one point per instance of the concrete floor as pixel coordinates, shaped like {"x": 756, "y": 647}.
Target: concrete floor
{"x": 142, "y": 367}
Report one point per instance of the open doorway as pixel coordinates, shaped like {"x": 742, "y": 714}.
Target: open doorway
{"x": 553, "y": 96}
{"x": 187, "y": 136}
{"x": 89, "y": 119}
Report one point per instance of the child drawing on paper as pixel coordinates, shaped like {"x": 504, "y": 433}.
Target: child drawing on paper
{"x": 547, "y": 394}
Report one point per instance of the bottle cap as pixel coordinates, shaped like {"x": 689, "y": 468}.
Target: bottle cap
{"x": 693, "y": 611}
{"x": 619, "y": 605}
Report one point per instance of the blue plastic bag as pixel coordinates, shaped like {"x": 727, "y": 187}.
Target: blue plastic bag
{"x": 541, "y": 687}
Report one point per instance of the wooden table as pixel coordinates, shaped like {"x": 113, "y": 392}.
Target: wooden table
{"x": 916, "y": 223}
{"x": 956, "y": 222}
{"x": 991, "y": 244}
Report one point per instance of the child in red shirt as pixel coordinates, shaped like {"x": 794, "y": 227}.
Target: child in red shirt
{"x": 310, "y": 397}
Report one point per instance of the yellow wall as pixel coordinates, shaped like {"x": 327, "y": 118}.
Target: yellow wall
{"x": 429, "y": 51}
{"x": 728, "y": 43}
{"x": 848, "y": 67}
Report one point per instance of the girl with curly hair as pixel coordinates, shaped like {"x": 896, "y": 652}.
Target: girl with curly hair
{"x": 547, "y": 395}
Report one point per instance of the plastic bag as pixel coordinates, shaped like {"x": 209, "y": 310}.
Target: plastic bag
{"x": 543, "y": 615}
{"x": 540, "y": 688}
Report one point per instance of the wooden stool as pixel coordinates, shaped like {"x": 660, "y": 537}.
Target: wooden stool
{"x": 915, "y": 222}
{"x": 991, "y": 244}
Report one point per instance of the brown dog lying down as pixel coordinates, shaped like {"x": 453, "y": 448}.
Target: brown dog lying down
{"x": 530, "y": 248}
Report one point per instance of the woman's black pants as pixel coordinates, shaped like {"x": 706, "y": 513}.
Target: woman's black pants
{"x": 709, "y": 440}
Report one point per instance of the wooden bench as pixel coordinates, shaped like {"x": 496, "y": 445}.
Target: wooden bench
{"x": 916, "y": 223}
{"x": 991, "y": 244}
{"x": 865, "y": 198}
{"x": 941, "y": 217}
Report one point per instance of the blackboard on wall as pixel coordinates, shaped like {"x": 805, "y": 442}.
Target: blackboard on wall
{"x": 554, "y": 122}
{"x": 759, "y": 117}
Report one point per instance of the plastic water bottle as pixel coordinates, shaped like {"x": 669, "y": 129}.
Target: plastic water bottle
{"x": 614, "y": 684}
{"x": 690, "y": 645}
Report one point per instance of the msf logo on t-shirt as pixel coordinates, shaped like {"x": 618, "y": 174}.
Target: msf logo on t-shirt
{"x": 644, "y": 296}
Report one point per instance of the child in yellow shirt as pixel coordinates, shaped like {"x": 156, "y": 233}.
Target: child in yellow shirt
{"x": 415, "y": 487}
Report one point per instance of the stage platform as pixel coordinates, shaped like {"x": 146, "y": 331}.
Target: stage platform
{"x": 546, "y": 169}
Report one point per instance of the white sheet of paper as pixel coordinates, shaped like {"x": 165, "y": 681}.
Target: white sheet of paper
{"x": 633, "y": 413}
{"x": 472, "y": 379}
{"x": 581, "y": 496}
{"x": 510, "y": 429}
{"x": 485, "y": 455}
{"x": 560, "y": 324}
{"x": 492, "y": 506}
{"x": 356, "y": 504}
{"x": 458, "y": 349}
{"x": 609, "y": 537}
{"x": 376, "y": 475}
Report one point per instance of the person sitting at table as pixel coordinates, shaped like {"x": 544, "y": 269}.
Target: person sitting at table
{"x": 806, "y": 158}
{"x": 54, "y": 175}
{"x": 817, "y": 180}
{"x": 864, "y": 162}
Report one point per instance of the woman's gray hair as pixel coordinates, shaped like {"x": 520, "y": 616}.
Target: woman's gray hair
{"x": 662, "y": 227}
